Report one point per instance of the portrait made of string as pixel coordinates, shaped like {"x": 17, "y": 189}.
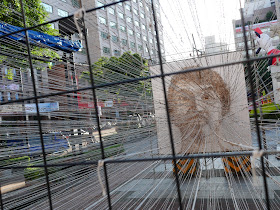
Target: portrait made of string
{"x": 208, "y": 108}
{"x": 198, "y": 103}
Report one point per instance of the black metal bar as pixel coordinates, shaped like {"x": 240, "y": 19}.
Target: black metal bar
{"x": 62, "y": 18}
{"x": 136, "y": 80}
{"x": 166, "y": 107}
{"x": 1, "y": 200}
{"x": 96, "y": 115}
{"x": 37, "y": 106}
{"x": 193, "y": 156}
{"x": 255, "y": 107}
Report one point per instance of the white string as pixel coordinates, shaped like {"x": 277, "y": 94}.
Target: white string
{"x": 99, "y": 165}
{"x": 78, "y": 15}
{"x": 256, "y": 154}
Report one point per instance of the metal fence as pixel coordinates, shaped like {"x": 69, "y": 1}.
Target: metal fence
{"x": 103, "y": 162}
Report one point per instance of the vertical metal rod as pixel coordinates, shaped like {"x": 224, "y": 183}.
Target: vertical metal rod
{"x": 167, "y": 107}
{"x": 97, "y": 115}
{"x": 1, "y": 200}
{"x": 37, "y": 106}
{"x": 255, "y": 108}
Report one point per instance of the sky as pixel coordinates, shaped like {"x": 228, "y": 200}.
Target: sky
{"x": 183, "y": 18}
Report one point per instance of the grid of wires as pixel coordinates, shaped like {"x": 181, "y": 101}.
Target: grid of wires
{"x": 103, "y": 145}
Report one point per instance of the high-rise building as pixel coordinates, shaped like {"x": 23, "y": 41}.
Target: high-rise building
{"x": 127, "y": 26}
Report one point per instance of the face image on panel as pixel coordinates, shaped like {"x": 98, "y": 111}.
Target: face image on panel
{"x": 198, "y": 103}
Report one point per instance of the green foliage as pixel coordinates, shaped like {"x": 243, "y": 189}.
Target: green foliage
{"x": 33, "y": 173}
{"x": 270, "y": 16}
{"x": 269, "y": 111}
{"x": 10, "y": 12}
{"x": 9, "y": 75}
{"x": 127, "y": 66}
{"x": 266, "y": 109}
{"x": 17, "y": 161}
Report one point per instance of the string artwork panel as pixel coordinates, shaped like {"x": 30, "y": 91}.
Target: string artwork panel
{"x": 208, "y": 108}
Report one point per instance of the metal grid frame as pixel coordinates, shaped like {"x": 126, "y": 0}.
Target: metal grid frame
{"x": 248, "y": 61}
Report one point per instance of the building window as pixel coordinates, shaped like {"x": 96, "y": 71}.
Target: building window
{"x": 117, "y": 52}
{"x": 121, "y": 15}
{"x": 113, "y": 25}
{"x": 128, "y": 7}
{"x": 115, "y": 38}
{"x": 140, "y": 47}
{"x": 104, "y": 35}
{"x": 151, "y": 40}
{"x": 138, "y": 35}
{"x": 136, "y": 23}
{"x": 132, "y": 44}
{"x": 47, "y": 7}
{"x": 1, "y": 97}
{"x": 102, "y": 20}
{"x": 99, "y": 4}
{"x": 62, "y": 13}
{"x": 8, "y": 96}
{"x": 124, "y": 42}
{"x": 122, "y": 28}
{"x": 130, "y": 32}
{"x": 146, "y": 49}
{"x": 106, "y": 50}
{"x": 144, "y": 38}
{"x": 135, "y": 11}
{"x": 16, "y": 96}
{"x": 143, "y": 27}
{"x": 111, "y": 11}
{"x": 75, "y": 3}
{"x": 142, "y": 15}
{"x": 128, "y": 19}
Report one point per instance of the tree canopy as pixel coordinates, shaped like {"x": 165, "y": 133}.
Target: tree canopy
{"x": 35, "y": 13}
{"x": 125, "y": 67}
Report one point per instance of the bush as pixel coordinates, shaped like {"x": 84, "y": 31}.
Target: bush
{"x": 272, "y": 115}
{"x": 33, "y": 173}
{"x": 17, "y": 161}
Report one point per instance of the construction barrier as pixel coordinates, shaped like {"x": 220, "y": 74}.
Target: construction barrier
{"x": 186, "y": 167}
{"x": 237, "y": 165}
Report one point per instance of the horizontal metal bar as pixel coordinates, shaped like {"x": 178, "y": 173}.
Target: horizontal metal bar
{"x": 62, "y": 18}
{"x": 138, "y": 79}
{"x": 193, "y": 156}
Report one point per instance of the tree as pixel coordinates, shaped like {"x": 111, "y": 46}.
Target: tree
{"x": 270, "y": 16}
{"x": 113, "y": 69}
{"x": 10, "y": 12}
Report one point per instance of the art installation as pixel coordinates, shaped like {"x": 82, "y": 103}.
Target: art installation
{"x": 198, "y": 102}
{"x": 208, "y": 109}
